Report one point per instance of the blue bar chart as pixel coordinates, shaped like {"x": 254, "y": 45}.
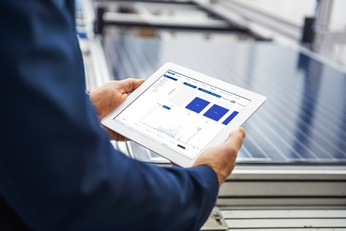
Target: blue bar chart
{"x": 169, "y": 123}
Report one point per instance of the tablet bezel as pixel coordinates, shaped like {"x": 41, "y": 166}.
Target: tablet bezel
{"x": 256, "y": 101}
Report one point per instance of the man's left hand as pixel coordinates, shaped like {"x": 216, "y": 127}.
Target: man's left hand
{"x": 107, "y": 97}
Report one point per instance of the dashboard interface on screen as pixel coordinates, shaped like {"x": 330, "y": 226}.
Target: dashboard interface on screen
{"x": 182, "y": 113}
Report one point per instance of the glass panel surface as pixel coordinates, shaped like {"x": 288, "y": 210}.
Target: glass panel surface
{"x": 304, "y": 118}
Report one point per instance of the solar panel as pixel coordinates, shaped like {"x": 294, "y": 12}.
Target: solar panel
{"x": 304, "y": 118}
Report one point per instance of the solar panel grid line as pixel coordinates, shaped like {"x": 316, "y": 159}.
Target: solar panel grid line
{"x": 241, "y": 160}
{"x": 190, "y": 61}
{"x": 340, "y": 150}
{"x": 196, "y": 56}
{"x": 321, "y": 105}
{"x": 315, "y": 154}
{"x": 315, "y": 144}
{"x": 122, "y": 63}
{"x": 287, "y": 84}
{"x": 322, "y": 139}
{"x": 111, "y": 58}
{"x": 262, "y": 142}
{"x": 148, "y": 73}
{"x": 269, "y": 141}
{"x": 318, "y": 139}
{"x": 254, "y": 152}
{"x": 134, "y": 64}
{"x": 325, "y": 116}
{"x": 319, "y": 132}
{"x": 137, "y": 55}
{"x": 142, "y": 54}
{"x": 279, "y": 140}
{"x": 330, "y": 87}
{"x": 320, "y": 108}
{"x": 284, "y": 85}
{"x": 334, "y": 127}
{"x": 285, "y": 131}
{"x": 244, "y": 153}
{"x": 115, "y": 71}
{"x": 323, "y": 129}
{"x": 288, "y": 146}
{"x": 134, "y": 61}
{"x": 215, "y": 68}
{"x": 209, "y": 54}
{"x": 247, "y": 152}
{"x": 139, "y": 61}
{"x": 288, "y": 123}
{"x": 327, "y": 126}
{"x": 184, "y": 55}
{"x": 153, "y": 58}
{"x": 282, "y": 120}
{"x": 256, "y": 145}
{"x": 289, "y": 111}
{"x": 216, "y": 71}
{"x": 315, "y": 92}
{"x": 141, "y": 58}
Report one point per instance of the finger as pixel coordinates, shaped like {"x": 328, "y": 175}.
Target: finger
{"x": 137, "y": 83}
{"x": 240, "y": 129}
{"x": 130, "y": 84}
{"x": 115, "y": 136}
{"x": 236, "y": 138}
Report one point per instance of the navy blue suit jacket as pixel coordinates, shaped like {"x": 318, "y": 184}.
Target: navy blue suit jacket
{"x": 58, "y": 170}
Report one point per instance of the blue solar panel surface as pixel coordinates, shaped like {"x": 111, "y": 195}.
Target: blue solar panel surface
{"x": 304, "y": 118}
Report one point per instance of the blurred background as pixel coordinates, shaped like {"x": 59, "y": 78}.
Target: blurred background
{"x": 291, "y": 170}
{"x": 318, "y": 24}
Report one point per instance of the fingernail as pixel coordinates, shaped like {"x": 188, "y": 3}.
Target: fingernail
{"x": 242, "y": 131}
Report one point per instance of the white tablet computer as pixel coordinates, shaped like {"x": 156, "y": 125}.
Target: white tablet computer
{"x": 178, "y": 113}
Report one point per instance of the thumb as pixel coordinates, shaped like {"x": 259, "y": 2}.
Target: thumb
{"x": 130, "y": 84}
{"x": 236, "y": 137}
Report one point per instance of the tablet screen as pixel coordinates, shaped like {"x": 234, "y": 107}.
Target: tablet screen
{"x": 182, "y": 113}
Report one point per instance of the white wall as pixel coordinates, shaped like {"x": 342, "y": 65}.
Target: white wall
{"x": 291, "y": 10}
{"x": 295, "y": 10}
{"x": 338, "y": 17}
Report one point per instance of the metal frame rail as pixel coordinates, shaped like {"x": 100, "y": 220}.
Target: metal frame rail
{"x": 221, "y": 23}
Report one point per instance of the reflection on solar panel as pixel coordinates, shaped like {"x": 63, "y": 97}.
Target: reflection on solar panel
{"x": 304, "y": 118}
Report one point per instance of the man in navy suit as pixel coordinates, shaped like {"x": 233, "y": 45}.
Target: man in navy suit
{"x": 58, "y": 170}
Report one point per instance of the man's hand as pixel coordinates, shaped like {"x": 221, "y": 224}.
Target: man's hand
{"x": 107, "y": 97}
{"x": 222, "y": 158}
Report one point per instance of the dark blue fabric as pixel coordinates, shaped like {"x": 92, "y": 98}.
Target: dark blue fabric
{"x": 58, "y": 170}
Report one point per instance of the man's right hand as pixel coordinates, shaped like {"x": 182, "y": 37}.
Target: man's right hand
{"x": 222, "y": 158}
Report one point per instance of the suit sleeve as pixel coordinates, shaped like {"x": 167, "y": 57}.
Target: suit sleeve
{"x": 58, "y": 170}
